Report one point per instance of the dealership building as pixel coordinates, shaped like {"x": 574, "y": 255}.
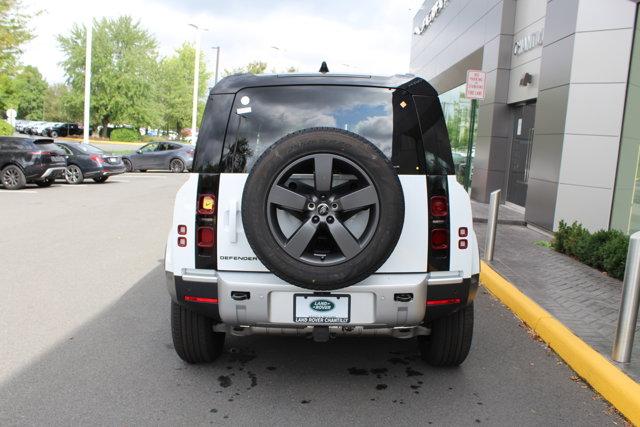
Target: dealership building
{"x": 558, "y": 130}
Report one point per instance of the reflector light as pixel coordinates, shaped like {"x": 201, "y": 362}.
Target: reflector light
{"x": 463, "y": 231}
{"x": 182, "y": 241}
{"x": 439, "y": 206}
{"x": 205, "y": 237}
{"x": 463, "y": 244}
{"x": 206, "y": 204}
{"x": 439, "y": 239}
{"x": 200, "y": 299}
{"x": 182, "y": 229}
{"x": 444, "y": 301}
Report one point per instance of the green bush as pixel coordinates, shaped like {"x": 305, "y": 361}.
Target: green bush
{"x": 5, "y": 128}
{"x": 125, "y": 135}
{"x": 605, "y": 249}
{"x": 614, "y": 255}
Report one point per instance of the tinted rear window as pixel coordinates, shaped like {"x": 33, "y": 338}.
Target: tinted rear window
{"x": 385, "y": 117}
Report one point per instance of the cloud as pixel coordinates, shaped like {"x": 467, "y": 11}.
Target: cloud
{"x": 356, "y": 36}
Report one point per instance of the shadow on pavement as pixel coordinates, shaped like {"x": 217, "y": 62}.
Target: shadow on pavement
{"x": 120, "y": 368}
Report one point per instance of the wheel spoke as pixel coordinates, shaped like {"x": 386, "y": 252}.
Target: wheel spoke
{"x": 323, "y": 171}
{"x": 345, "y": 240}
{"x": 358, "y": 199}
{"x": 286, "y": 198}
{"x": 300, "y": 239}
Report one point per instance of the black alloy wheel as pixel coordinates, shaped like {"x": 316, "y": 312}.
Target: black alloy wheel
{"x": 324, "y": 209}
{"x": 13, "y": 178}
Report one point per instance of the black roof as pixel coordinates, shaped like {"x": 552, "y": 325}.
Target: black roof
{"x": 412, "y": 84}
{"x": 29, "y": 139}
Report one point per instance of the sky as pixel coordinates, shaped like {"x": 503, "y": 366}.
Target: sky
{"x": 353, "y": 36}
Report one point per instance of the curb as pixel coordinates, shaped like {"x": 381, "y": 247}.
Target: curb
{"x": 95, "y": 141}
{"x": 613, "y": 384}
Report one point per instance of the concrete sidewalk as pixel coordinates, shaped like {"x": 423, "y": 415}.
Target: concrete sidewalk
{"x": 585, "y": 300}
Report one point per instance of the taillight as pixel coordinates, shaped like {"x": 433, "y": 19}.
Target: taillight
{"x": 206, "y": 204}
{"x": 440, "y": 236}
{"x": 206, "y": 237}
{"x": 439, "y": 206}
{"x": 96, "y": 159}
{"x": 439, "y": 239}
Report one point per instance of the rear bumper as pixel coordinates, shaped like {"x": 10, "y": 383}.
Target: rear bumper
{"x": 106, "y": 171}
{"x": 264, "y": 300}
{"x": 53, "y": 172}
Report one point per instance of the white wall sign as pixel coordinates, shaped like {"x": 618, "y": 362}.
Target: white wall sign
{"x": 528, "y": 42}
{"x": 430, "y": 16}
{"x": 475, "y": 84}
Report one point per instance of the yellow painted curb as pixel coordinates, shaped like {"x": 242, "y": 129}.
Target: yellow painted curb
{"x": 613, "y": 384}
{"x": 95, "y": 141}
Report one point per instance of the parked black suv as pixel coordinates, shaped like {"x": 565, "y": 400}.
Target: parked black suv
{"x": 24, "y": 160}
{"x": 64, "y": 129}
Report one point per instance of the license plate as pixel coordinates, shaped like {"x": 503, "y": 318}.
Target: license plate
{"x": 112, "y": 160}
{"x": 57, "y": 158}
{"x": 310, "y": 308}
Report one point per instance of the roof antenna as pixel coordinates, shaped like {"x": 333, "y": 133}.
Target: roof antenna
{"x": 323, "y": 68}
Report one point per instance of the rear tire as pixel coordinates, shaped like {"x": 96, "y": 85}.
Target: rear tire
{"x": 127, "y": 165}
{"x": 13, "y": 178}
{"x": 73, "y": 175}
{"x": 45, "y": 182}
{"x": 450, "y": 339}
{"x": 176, "y": 166}
{"x": 193, "y": 337}
{"x": 54, "y": 134}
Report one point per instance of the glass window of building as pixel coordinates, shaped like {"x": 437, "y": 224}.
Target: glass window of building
{"x": 625, "y": 215}
{"x": 457, "y": 114}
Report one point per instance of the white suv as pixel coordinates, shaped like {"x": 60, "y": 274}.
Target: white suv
{"x": 326, "y": 205}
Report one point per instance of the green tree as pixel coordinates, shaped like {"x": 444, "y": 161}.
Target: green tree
{"x": 29, "y": 90}
{"x": 14, "y": 32}
{"x": 55, "y": 104}
{"x": 254, "y": 67}
{"x": 175, "y": 84}
{"x": 124, "y": 70}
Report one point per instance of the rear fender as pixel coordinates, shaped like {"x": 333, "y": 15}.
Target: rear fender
{"x": 176, "y": 257}
{"x": 465, "y": 260}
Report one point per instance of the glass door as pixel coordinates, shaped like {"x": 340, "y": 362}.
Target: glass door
{"x": 520, "y": 158}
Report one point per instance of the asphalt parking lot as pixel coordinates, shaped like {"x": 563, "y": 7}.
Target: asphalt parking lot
{"x": 86, "y": 339}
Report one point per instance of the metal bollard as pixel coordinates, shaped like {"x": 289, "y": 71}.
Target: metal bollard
{"x": 492, "y": 223}
{"x": 628, "y": 316}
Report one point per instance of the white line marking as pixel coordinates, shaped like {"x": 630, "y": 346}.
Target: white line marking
{"x": 119, "y": 180}
{"x": 146, "y": 176}
{"x": 19, "y": 191}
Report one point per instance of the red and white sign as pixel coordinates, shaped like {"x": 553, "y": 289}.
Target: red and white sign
{"x": 475, "y": 84}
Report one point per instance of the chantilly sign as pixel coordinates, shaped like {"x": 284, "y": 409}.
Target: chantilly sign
{"x": 430, "y": 16}
{"x": 528, "y": 42}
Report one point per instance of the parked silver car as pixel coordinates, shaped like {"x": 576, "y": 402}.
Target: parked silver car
{"x": 169, "y": 155}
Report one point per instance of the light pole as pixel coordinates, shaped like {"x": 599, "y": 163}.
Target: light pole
{"x": 217, "y": 48}
{"x": 87, "y": 81}
{"x": 196, "y": 76}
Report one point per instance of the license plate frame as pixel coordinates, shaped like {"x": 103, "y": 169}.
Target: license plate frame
{"x": 320, "y": 319}
{"x": 57, "y": 158}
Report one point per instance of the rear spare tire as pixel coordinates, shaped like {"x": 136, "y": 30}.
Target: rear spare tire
{"x": 323, "y": 208}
